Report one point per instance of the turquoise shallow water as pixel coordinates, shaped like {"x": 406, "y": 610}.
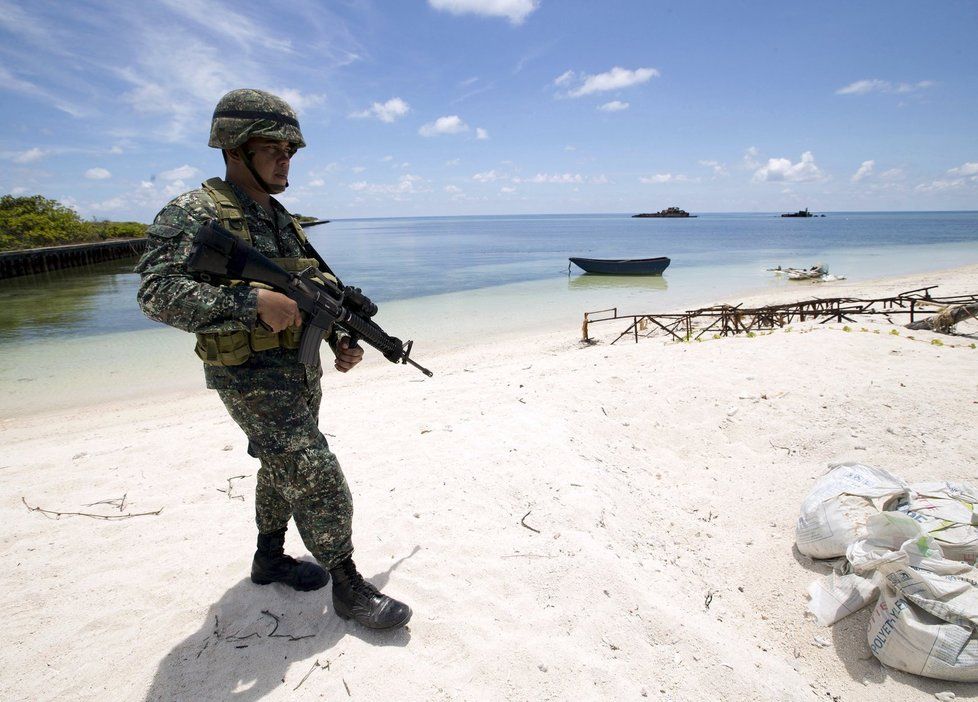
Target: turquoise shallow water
{"x": 77, "y": 337}
{"x": 399, "y": 259}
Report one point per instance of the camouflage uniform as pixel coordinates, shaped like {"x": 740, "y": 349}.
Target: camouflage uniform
{"x": 272, "y": 397}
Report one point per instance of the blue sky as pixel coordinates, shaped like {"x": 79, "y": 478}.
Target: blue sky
{"x": 444, "y": 107}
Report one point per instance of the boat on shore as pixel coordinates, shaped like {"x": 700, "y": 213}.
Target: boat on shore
{"x": 668, "y": 212}
{"x": 622, "y": 266}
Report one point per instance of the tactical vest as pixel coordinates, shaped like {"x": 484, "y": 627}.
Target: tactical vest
{"x": 236, "y": 347}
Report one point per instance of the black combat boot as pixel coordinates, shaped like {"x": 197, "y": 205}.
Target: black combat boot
{"x": 271, "y": 565}
{"x": 355, "y": 598}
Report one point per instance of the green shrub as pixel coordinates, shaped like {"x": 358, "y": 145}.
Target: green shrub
{"x": 35, "y": 221}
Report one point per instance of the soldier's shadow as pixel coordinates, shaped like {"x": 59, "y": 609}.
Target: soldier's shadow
{"x": 251, "y": 636}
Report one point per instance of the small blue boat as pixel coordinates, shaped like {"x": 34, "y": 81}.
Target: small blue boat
{"x": 622, "y": 266}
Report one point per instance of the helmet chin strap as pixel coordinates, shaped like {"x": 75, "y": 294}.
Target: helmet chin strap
{"x": 270, "y": 189}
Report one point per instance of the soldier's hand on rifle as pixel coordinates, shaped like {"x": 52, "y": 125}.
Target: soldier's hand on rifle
{"x": 277, "y": 311}
{"x": 347, "y": 357}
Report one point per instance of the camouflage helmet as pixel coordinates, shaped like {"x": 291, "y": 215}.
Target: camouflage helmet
{"x": 246, "y": 113}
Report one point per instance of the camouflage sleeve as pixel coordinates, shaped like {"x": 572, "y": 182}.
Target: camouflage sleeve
{"x": 169, "y": 293}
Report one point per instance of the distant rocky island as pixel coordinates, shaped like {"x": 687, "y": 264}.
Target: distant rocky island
{"x": 801, "y": 213}
{"x": 668, "y": 212}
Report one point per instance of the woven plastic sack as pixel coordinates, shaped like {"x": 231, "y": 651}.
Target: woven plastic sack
{"x": 926, "y": 619}
{"x": 835, "y": 512}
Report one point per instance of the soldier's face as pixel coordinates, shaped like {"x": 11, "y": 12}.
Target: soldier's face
{"x": 271, "y": 160}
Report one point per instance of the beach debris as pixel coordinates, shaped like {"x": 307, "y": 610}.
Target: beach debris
{"x": 118, "y": 502}
{"x": 835, "y": 512}
{"x": 274, "y": 635}
{"x": 945, "y": 321}
{"x": 108, "y": 517}
{"x": 725, "y": 320}
{"x": 523, "y": 522}
{"x": 306, "y": 676}
{"x": 347, "y": 687}
{"x": 229, "y": 492}
{"x": 915, "y": 554}
{"x": 945, "y": 696}
{"x": 820, "y": 642}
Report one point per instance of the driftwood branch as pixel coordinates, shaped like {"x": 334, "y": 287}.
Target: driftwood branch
{"x": 119, "y": 502}
{"x": 107, "y": 517}
{"x": 944, "y": 321}
{"x": 315, "y": 665}
{"x": 523, "y": 522}
{"x": 229, "y": 491}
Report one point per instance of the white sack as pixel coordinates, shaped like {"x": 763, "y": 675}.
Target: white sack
{"x": 945, "y": 510}
{"x": 926, "y": 619}
{"x": 835, "y": 512}
{"x": 835, "y": 596}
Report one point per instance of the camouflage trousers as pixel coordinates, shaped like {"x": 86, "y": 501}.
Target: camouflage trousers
{"x": 299, "y": 476}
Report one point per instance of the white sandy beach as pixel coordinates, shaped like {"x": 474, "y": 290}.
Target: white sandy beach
{"x": 658, "y": 486}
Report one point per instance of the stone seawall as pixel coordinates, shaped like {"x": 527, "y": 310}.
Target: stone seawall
{"x": 52, "y": 258}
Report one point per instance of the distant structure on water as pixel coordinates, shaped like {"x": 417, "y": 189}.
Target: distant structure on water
{"x": 801, "y": 213}
{"x": 668, "y": 212}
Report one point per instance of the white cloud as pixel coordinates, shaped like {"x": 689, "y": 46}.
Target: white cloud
{"x": 451, "y": 124}
{"x": 750, "y": 158}
{"x": 481, "y": 134}
{"x": 965, "y": 169}
{"x": 97, "y": 174}
{"x": 718, "y": 168}
{"x": 892, "y": 174}
{"x": 956, "y": 177}
{"x": 453, "y": 189}
{"x": 453, "y": 162}
{"x": 565, "y": 77}
{"x": 488, "y": 176}
{"x": 18, "y": 191}
{"x": 317, "y": 183}
{"x": 615, "y": 79}
{"x": 875, "y": 85}
{"x": 865, "y": 170}
{"x": 939, "y": 185}
{"x": 406, "y": 185}
{"x": 507, "y": 190}
{"x": 358, "y": 169}
{"x": 516, "y": 11}
{"x": 179, "y": 173}
{"x": 782, "y": 169}
{"x": 298, "y": 100}
{"x": 30, "y": 156}
{"x": 233, "y": 25}
{"x": 663, "y": 178}
{"x": 562, "y": 178}
{"x": 614, "y": 106}
{"x": 386, "y": 112}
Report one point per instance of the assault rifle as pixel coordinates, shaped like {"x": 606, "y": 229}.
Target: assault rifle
{"x": 218, "y": 252}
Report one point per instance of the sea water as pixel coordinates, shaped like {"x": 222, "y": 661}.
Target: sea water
{"x": 77, "y": 336}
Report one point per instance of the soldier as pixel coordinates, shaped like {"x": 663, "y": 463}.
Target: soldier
{"x": 248, "y": 339}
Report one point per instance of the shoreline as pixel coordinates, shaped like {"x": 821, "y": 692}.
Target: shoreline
{"x": 661, "y": 480}
{"x": 121, "y": 383}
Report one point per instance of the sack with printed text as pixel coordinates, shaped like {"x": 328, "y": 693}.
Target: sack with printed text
{"x": 835, "y": 512}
